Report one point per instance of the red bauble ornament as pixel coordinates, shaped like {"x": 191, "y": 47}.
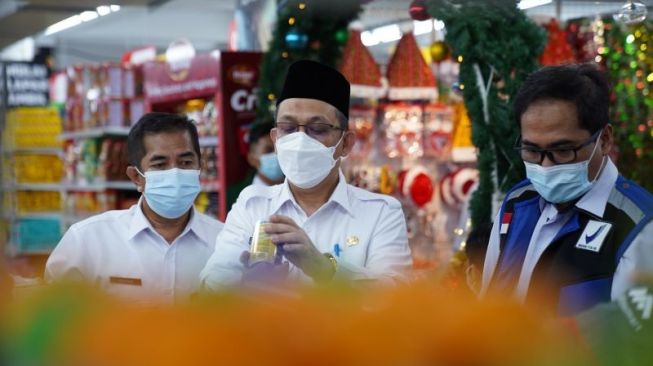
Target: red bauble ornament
{"x": 418, "y": 10}
{"x": 421, "y": 191}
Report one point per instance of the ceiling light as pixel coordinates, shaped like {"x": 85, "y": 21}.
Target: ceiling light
{"x": 103, "y": 10}
{"x": 527, "y": 4}
{"x": 88, "y": 16}
{"x": 64, "y": 24}
{"x": 85, "y": 16}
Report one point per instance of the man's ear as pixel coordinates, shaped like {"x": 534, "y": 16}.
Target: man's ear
{"x": 273, "y": 137}
{"x": 348, "y": 142}
{"x": 136, "y": 178}
{"x": 253, "y": 160}
{"x": 607, "y": 140}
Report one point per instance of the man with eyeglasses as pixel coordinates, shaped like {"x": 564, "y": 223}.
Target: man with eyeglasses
{"x": 575, "y": 232}
{"x": 325, "y": 228}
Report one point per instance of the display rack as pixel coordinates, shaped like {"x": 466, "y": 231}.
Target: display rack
{"x": 31, "y": 157}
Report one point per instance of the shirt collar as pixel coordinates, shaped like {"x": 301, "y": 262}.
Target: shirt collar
{"x": 140, "y": 223}
{"x": 339, "y": 196}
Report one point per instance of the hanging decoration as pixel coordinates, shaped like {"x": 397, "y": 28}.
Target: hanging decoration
{"x": 360, "y": 69}
{"x": 497, "y": 46}
{"x": 632, "y": 12}
{"x": 557, "y": 50}
{"x": 439, "y": 51}
{"x": 418, "y": 11}
{"x": 409, "y": 77}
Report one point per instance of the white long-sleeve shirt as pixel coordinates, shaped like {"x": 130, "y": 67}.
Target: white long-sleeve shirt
{"x": 124, "y": 255}
{"x": 369, "y": 229}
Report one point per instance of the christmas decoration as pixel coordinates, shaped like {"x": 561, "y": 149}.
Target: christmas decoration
{"x": 403, "y": 127}
{"x": 438, "y": 125}
{"x": 316, "y": 24}
{"x": 360, "y": 69}
{"x": 456, "y": 186}
{"x": 557, "y": 50}
{"x": 416, "y": 184}
{"x": 632, "y": 12}
{"x": 341, "y": 36}
{"x": 629, "y": 62}
{"x": 439, "y": 51}
{"x": 585, "y": 36}
{"x": 296, "y": 40}
{"x": 418, "y": 10}
{"x": 409, "y": 76}
{"x": 497, "y": 46}
{"x": 463, "y": 149}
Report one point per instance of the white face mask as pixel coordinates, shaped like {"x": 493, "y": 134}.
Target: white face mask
{"x": 304, "y": 160}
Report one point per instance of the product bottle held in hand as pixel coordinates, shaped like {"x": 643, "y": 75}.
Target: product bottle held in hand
{"x": 262, "y": 248}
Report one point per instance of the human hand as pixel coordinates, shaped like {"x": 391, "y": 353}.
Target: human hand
{"x": 263, "y": 271}
{"x": 298, "y": 248}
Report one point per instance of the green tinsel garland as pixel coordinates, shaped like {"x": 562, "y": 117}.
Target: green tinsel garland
{"x": 500, "y": 46}
{"x": 323, "y": 24}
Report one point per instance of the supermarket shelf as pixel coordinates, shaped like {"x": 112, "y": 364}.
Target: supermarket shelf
{"x": 30, "y": 215}
{"x": 33, "y": 187}
{"x": 35, "y": 150}
{"x": 98, "y": 187}
{"x": 208, "y": 141}
{"x": 94, "y": 133}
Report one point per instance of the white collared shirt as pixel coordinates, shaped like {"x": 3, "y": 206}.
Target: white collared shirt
{"x": 257, "y": 181}
{"x": 368, "y": 228}
{"x": 638, "y": 256}
{"x": 123, "y": 254}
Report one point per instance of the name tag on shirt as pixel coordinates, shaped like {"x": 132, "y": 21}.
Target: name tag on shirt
{"x": 593, "y": 236}
{"x": 125, "y": 281}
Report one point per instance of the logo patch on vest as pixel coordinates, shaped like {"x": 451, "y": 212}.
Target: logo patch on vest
{"x": 593, "y": 236}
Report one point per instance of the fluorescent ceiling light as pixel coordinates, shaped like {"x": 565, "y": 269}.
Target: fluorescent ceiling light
{"x": 387, "y": 33}
{"x": 64, "y": 24}
{"x": 85, "y": 16}
{"x": 527, "y": 4}
{"x": 103, "y": 10}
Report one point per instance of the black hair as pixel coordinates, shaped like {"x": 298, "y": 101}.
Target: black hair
{"x": 582, "y": 84}
{"x": 155, "y": 123}
{"x": 259, "y": 130}
{"x": 476, "y": 244}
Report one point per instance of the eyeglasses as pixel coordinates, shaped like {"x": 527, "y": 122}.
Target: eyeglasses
{"x": 316, "y": 130}
{"x": 563, "y": 155}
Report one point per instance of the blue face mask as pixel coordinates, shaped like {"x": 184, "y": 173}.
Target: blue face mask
{"x": 561, "y": 183}
{"x": 170, "y": 193}
{"x": 270, "y": 167}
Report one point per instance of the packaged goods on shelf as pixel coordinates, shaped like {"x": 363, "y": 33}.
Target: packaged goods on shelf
{"x": 36, "y": 168}
{"x": 35, "y": 234}
{"x": 32, "y": 128}
{"x": 37, "y": 201}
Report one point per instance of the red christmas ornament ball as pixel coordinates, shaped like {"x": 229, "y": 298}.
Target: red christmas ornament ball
{"x": 418, "y": 10}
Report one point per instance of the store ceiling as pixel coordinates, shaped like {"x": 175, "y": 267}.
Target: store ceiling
{"x": 203, "y": 22}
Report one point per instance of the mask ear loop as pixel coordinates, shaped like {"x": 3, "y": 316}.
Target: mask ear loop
{"x": 603, "y": 160}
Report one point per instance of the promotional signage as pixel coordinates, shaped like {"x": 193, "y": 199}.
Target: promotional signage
{"x": 163, "y": 83}
{"x": 239, "y": 77}
{"x": 26, "y": 84}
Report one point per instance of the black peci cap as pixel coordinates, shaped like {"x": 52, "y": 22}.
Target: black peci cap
{"x": 313, "y": 80}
